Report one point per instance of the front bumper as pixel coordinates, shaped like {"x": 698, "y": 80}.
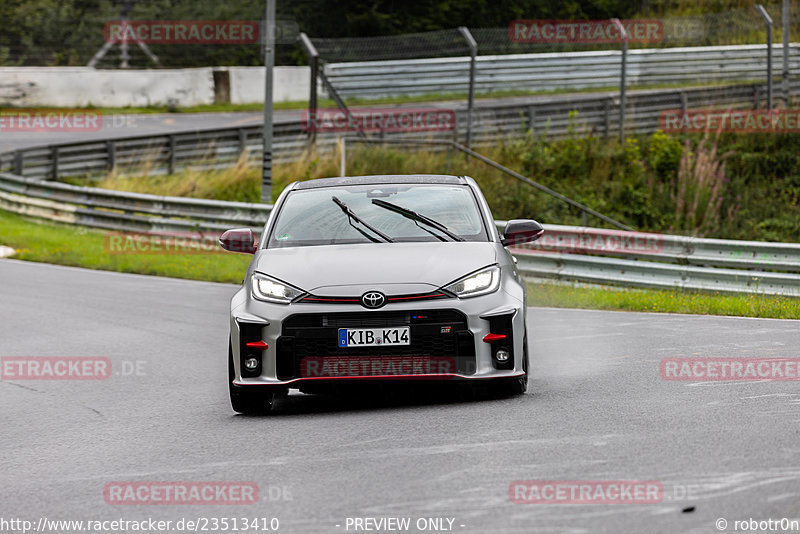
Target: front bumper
{"x": 449, "y": 328}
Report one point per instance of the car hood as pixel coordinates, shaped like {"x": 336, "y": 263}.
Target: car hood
{"x": 397, "y": 267}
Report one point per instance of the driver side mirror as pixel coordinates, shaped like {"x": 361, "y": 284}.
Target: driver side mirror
{"x": 239, "y": 240}
{"x": 519, "y": 231}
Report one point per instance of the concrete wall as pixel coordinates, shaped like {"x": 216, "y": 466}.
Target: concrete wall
{"x": 290, "y": 84}
{"x": 84, "y": 86}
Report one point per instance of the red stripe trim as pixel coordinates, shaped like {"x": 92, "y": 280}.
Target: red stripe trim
{"x": 330, "y": 300}
{"x": 417, "y": 297}
{"x": 493, "y": 337}
{"x": 378, "y": 377}
{"x": 388, "y": 299}
{"x": 257, "y": 345}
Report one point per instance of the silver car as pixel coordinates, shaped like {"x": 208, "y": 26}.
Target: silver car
{"x": 386, "y": 278}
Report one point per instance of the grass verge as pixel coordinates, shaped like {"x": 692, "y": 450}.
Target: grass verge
{"x": 68, "y": 245}
{"x": 81, "y": 247}
{"x": 649, "y": 300}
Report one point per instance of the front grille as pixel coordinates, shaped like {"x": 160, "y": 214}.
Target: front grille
{"x": 376, "y": 319}
{"x": 314, "y": 299}
{"x": 434, "y": 333}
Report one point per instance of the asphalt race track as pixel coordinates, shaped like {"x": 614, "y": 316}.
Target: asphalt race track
{"x": 597, "y": 409}
{"x": 115, "y": 126}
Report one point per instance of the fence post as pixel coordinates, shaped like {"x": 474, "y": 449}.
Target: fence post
{"x": 624, "y": 36}
{"x": 473, "y": 52}
{"x": 786, "y": 47}
{"x": 607, "y": 125}
{"x": 269, "y": 64}
{"x": 313, "y": 63}
{"x": 768, "y": 22}
{"x": 343, "y": 157}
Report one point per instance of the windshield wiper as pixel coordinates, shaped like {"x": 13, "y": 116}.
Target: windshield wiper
{"x": 418, "y": 217}
{"x": 353, "y": 217}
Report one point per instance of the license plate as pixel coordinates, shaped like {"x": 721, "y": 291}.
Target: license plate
{"x": 374, "y": 337}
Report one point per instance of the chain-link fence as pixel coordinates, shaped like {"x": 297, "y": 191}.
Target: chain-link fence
{"x": 71, "y": 33}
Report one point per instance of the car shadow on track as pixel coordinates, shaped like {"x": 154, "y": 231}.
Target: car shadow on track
{"x": 384, "y": 397}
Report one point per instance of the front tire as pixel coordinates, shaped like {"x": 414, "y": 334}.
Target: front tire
{"x": 250, "y": 400}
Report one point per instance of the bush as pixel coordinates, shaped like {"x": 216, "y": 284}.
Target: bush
{"x": 736, "y": 186}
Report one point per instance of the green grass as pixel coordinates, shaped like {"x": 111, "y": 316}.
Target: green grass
{"x": 80, "y": 247}
{"x": 68, "y": 245}
{"x": 649, "y": 300}
{"x": 238, "y": 183}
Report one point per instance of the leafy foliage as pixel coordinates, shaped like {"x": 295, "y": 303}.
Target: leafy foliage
{"x": 734, "y": 186}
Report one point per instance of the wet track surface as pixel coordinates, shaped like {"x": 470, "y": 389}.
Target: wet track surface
{"x": 115, "y": 126}
{"x": 128, "y": 125}
{"x": 596, "y": 409}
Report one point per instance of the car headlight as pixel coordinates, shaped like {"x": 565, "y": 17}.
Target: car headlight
{"x": 272, "y": 290}
{"x": 475, "y": 284}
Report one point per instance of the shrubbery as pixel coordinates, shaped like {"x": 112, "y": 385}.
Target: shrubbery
{"x": 732, "y": 186}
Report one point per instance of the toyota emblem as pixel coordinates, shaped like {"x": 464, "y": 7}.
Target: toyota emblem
{"x": 373, "y": 299}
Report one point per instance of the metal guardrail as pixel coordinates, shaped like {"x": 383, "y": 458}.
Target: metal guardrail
{"x": 629, "y": 273}
{"x": 555, "y": 71}
{"x": 124, "y": 211}
{"x": 684, "y": 250}
{"x": 156, "y": 154}
{"x": 565, "y": 252}
{"x": 552, "y": 116}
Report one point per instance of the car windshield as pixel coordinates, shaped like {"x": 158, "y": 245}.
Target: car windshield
{"x": 312, "y": 216}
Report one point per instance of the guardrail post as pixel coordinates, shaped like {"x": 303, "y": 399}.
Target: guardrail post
{"x": 532, "y": 119}
{"x": 242, "y": 141}
{"x": 171, "y": 154}
{"x": 607, "y": 125}
{"x": 684, "y": 107}
{"x": 684, "y": 102}
{"x": 111, "y": 151}
{"x": 18, "y": 163}
{"x": 768, "y": 22}
{"x": 54, "y": 156}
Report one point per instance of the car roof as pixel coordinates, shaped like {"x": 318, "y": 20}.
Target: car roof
{"x": 381, "y": 179}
